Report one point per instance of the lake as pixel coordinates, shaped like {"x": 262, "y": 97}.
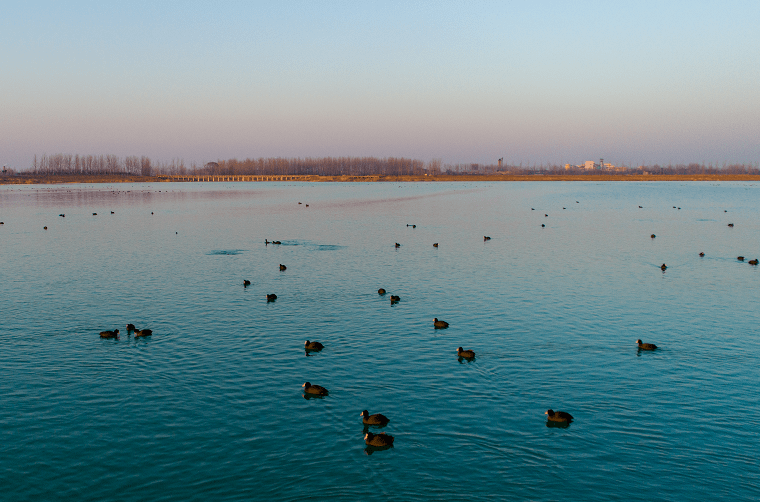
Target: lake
{"x": 211, "y": 406}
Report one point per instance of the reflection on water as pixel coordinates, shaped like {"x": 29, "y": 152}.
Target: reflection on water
{"x": 207, "y": 407}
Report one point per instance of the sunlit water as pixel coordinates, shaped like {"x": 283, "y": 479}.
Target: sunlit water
{"x": 211, "y": 406}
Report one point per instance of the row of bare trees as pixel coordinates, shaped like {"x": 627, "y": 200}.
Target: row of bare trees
{"x": 336, "y": 166}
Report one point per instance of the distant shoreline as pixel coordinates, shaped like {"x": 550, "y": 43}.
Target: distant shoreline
{"x": 31, "y": 179}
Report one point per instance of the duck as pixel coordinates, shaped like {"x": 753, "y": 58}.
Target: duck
{"x": 753, "y": 262}
{"x": 486, "y": 238}
{"x": 112, "y": 212}
{"x": 395, "y": 298}
{"x": 398, "y": 245}
{"x": 271, "y": 297}
{"x": 246, "y": 283}
{"x": 143, "y": 332}
{"x": 652, "y": 236}
{"x": 740, "y": 258}
{"x": 467, "y": 354}
{"x": 313, "y": 345}
{"x": 317, "y": 390}
{"x": 62, "y": 215}
{"x": 543, "y": 226}
{"x": 558, "y": 416}
{"x": 645, "y": 346}
{"x": 276, "y": 242}
{"x": 44, "y": 228}
{"x": 299, "y": 202}
{"x": 376, "y": 419}
{"x": 663, "y": 267}
{"x": 109, "y": 334}
{"x": 283, "y": 267}
{"x": 380, "y": 440}
{"x": 546, "y": 215}
{"x": 702, "y": 254}
{"x": 731, "y": 225}
{"x": 440, "y": 324}
{"x": 435, "y": 244}
{"x": 130, "y": 327}
{"x": 381, "y": 291}
{"x": 94, "y": 214}
{"x": 641, "y": 207}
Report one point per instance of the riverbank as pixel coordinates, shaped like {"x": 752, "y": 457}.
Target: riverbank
{"x": 30, "y": 179}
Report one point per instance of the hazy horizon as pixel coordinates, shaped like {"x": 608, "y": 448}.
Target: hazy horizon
{"x": 545, "y": 83}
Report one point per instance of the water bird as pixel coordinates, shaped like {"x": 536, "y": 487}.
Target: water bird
{"x": 740, "y": 258}
{"x": 753, "y": 262}
{"x": 266, "y": 242}
{"x": 112, "y": 212}
{"x": 532, "y": 209}
{"x": 62, "y": 215}
{"x": 151, "y": 212}
{"x": 645, "y": 346}
{"x": 731, "y": 225}
{"x": 653, "y": 236}
{"x": 543, "y": 226}
{"x": 143, "y": 332}
{"x": 317, "y": 390}
{"x": 486, "y": 238}
{"x": 130, "y": 327}
{"x": 546, "y": 215}
{"x": 381, "y": 291}
{"x": 109, "y": 334}
{"x": 663, "y": 267}
{"x": 313, "y": 345}
{"x": 701, "y": 254}
{"x": 44, "y": 228}
{"x": 558, "y": 416}
{"x": 467, "y": 354}
{"x": 94, "y": 214}
{"x": 435, "y": 244}
{"x": 564, "y": 208}
{"x": 299, "y": 202}
{"x": 307, "y": 205}
{"x": 283, "y": 267}
{"x": 378, "y": 440}
{"x": 440, "y": 324}
{"x": 276, "y": 242}
{"x": 246, "y": 283}
{"x": 271, "y": 297}
{"x": 640, "y": 207}
{"x": 376, "y": 419}
{"x": 398, "y": 245}
{"x": 395, "y": 299}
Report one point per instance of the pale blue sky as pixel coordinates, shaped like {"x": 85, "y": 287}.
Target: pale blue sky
{"x": 533, "y": 82}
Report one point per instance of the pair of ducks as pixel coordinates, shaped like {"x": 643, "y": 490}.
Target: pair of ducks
{"x": 130, "y": 329}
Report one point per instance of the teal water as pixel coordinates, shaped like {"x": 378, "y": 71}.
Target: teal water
{"x": 211, "y": 406}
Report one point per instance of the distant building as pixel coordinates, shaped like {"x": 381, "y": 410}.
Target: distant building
{"x": 590, "y": 164}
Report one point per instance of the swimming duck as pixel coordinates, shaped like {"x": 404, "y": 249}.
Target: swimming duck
{"x": 701, "y": 254}
{"x": 663, "y": 267}
{"x": 283, "y": 267}
{"x": 94, "y": 214}
{"x": 753, "y": 262}
{"x": 558, "y": 416}
{"x": 486, "y": 238}
{"x": 313, "y": 345}
{"x": 271, "y": 297}
{"x": 395, "y": 298}
{"x": 44, "y": 228}
{"x": 131, "y": 327}
{"x": 109, "y": 334}
{"x": 435, "y": 244}
{"x": 653, "y": 236}
{"x": 276, "y": 242}
{"x": 543, "y": 226}
{"x": 314, "y": 389}
{"x": 467, "y": 354}
{"x": 398, "y": 245}
{"x": 246, "y": 283}
{"x": 376, "y": 419}
{"x": 645, "y": 346}
{"x": 62, "y": 215}
{"x": 379, "y": 440}
{"x": 440, "y": 324}
{"x": 740, "y": 258}
{"x": 143, "y": 332}
{"x": 381, "y": 291}
{"x": 730, "y": 224}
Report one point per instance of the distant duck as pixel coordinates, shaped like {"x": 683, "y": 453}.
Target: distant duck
{"x": 440, "y": 324}
{"x": 486, "y": 238}
{"x": 376, "y": 419}
{"x": 378, "y": 440}
{"x": 640, "y": 207}
{"x": 558, "y": 416}
{"x": 307, "y": 205}
{"x": 398, "y": 245}
{"x": 653, "y": 236}
{"x": 94, "y": 214}
{"x": 62, "y": 215}
{"x": 701, "y": 254}
{"x": 467, "y": 354}
{"x": 564, "y": 208}
{"x": 317, "y": 390}
{"x": 730, "y": 224}
{"x": 283, "y": 267}
{"x": 740, "y": 258}
{"x": 395, "y": 299}
{"x": 271, "y": 297}
{"x": 112, "y": 212}
{"x": 44, "y": 228}
{"x": 109, "y": 334}
{"x": 278, "y": 242}
{"x": 299, "y": 202}
{"x": 546, "y": 216}
{"x": 313, "y": 345}
{"x": 663, "y": 267}
{"x": 532, "y": 209}
{"x": 130, "y": 327}
{"x": 143, "y": 332}
{"x": 246, "y": 283}
{"x": 435, "y": 244}
{"x": 645, "y": 346}
{"x": 543, "y": 226}
{"x": 753, "y": 262}
{"x": 381, "y": 291}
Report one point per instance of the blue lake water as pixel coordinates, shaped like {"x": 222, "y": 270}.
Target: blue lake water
{"x": 211, "y": 406}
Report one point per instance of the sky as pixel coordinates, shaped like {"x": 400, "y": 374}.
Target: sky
{"x": 535, "y": 82}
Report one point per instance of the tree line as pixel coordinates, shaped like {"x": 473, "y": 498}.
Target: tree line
{"x": 62, "y": 164}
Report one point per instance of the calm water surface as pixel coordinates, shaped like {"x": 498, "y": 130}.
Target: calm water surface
{"x": 211, "y": 406}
